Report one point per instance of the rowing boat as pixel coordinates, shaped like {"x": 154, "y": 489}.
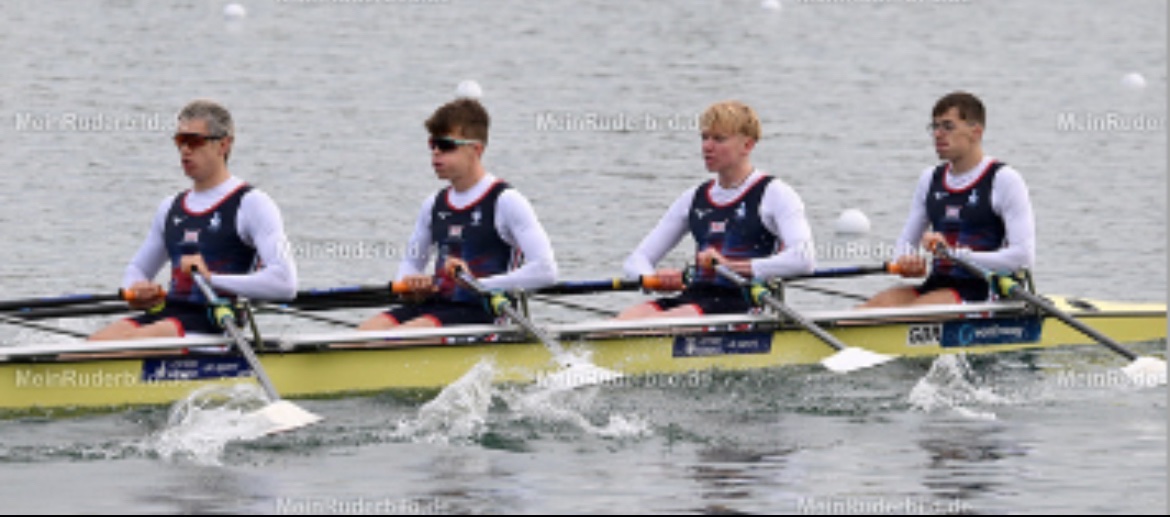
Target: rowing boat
{"x": 82, "y": 376}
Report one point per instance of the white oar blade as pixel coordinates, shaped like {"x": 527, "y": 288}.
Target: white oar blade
{"x": 1146, "y": 371}
{"x": 853, "y": 358}
{"x": 281, "y": 416}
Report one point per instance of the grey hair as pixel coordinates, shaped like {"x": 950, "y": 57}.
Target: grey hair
{"x": 219, "y": 120}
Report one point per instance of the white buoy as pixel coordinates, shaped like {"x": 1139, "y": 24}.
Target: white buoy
{"x": 1134, "y": 81}
{"x": 852, "y": 222}
{"x": 234, "y": 12}
{"x": 469, "y": 88}
{"x": 771, "y": 5}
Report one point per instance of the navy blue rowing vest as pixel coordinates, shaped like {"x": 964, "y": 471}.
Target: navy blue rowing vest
{"x": 964, "y": 217}
{"x": 219, "y": 242}
{"x": 735, "y": 230}
{"x": 469, "y": 234}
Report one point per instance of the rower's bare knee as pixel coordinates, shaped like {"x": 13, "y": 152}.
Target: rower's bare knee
{"x": 380, "y": 321}
{"x": 642, "y": 310}
{"x": 938, "y": 297}
{"x": 125, "y": 329}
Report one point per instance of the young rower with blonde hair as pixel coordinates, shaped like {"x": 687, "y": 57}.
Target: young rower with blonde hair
{"x": 745, "y": 219}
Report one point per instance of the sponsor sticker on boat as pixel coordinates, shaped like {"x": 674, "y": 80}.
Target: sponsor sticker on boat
{"x": 975, "y": 332}
{"x": 194, "y": 368}
{"x": 723, "y": 344}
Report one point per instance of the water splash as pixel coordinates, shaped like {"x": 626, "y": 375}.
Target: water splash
{"x": 950, "y": 385}
{"x": 200, "y": 426}
{"x": 458, "y": 413}
{"x": 461, "y": 412}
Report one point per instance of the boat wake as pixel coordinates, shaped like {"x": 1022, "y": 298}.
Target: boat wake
{"x": 473, "y": 406}
{"x": 201, "y": 425}
{"x": 950, "y": 384}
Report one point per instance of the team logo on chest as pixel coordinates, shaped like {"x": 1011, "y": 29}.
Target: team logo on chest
{"x": 476, "y": 216}
{"x": 455, "y": 232}
{"x": 718, "y": 227}
{"x": 973, "y": 199}
{"x": 215, "y": 222}
{"x": 190, "y": 235}
{"x": 954, "y": 211}
{"x": 741, "y": 211}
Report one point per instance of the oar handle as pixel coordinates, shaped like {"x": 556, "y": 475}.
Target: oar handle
{"x": 883, "y": 268}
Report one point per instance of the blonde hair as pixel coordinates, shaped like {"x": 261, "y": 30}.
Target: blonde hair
{"x": 731, "y": 117}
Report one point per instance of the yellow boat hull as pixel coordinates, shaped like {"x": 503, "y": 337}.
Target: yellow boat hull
{"x": 154, "y": 378}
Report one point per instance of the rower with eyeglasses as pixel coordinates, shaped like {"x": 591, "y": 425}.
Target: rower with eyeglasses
{"x": 478, "y": 223}
{"x": 222, "y": 227}
{"x": 971, "y": 203}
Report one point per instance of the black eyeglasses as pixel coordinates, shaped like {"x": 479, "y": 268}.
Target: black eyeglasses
{"x": 446, "y": 144}
{"x": 195, "y": 140}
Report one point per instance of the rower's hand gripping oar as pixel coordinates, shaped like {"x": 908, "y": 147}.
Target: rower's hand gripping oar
{"x": 281, "y": 415}
{"x": 1147, "y": 371}
{"x": 846, "y": 359}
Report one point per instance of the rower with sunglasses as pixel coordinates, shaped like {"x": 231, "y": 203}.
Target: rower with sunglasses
{"x": 228, "y": 230}
{"x": 478, "y": 223}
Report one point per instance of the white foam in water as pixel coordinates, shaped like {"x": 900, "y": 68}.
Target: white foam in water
{"x": 459, "y": 412}
{"x": 948, "y": 386}
{"x": 201, "y": 425}
{"x": 561, "y": 406}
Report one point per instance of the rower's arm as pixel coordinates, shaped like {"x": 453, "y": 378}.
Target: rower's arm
{"x": 782, "y": 212}
{"x": 518, "y": 225}
{"x": 916, "y": 221}
{"x": 260, "y": 224}
{"x": 152, "y": 254}
{"x": 418, "y": 248}
{"x": 1010, "y": 199}
{"x": 663, "y": 238}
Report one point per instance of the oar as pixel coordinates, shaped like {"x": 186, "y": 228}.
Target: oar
{"x": 58, "y": 301}
{"x": 282, "y": 415}
{"x": 576, "y": 373}
{"x": 1145, "y": 370}
{"x": 846, "y": 359}
{"x": 37, "y": 326}
{"x": 874, "y": 269}
{"x": 500, "y": 304}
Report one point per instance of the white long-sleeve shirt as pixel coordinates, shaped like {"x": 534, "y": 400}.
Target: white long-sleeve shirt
{"x": 1009, "y": 200}
{"x": 781, "y": 211}
{"x": 258, "y": 223}
{"x": 515, "y": 221}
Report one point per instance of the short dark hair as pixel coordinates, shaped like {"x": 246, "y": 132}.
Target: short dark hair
{"x": 969, "y": 106}
{"x": 465, "y": 116}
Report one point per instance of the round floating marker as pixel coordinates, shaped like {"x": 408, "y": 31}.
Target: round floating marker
{"x": 234, "y": 12}
{"x": 469, "y": 88}
{"x": 852, "y": 222}
{"x": 1134, "y": 81}
{"x": 771, "y": 5}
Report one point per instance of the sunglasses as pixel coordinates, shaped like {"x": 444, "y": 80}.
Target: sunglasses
{"x": 195, "y": 140}
{"x": 446, "y": 145}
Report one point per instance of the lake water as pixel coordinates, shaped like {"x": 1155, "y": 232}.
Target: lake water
{"x": 593, "y": 107}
